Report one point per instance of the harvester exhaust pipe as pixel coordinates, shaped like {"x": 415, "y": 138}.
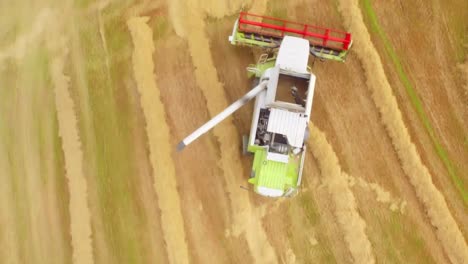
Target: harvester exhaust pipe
{"x": 223, "y": 115}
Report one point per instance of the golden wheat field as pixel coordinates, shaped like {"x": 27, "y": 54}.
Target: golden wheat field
{"x": 95, "y": 96}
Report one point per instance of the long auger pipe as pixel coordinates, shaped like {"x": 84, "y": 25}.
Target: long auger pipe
{"x": 223, "y": 115}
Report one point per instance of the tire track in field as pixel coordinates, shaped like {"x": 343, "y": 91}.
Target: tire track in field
{"x": 164, "y": 175}
{"x": 436, "y": 207}
{"x": 351, "y": 223}
{"x": 80, "y": 217}
{"x": 246, "y": 219}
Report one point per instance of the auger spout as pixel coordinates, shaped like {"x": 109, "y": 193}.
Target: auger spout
{"x": 223, "y": 115}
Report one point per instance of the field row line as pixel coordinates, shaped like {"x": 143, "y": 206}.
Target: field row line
{"x": 447, "y": 229}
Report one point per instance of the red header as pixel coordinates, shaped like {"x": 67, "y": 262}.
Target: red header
{"x": 274, "y": 27}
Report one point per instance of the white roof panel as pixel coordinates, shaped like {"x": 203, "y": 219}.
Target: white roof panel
{"x": 290, "y": 124}
{"x": 277, "y": 157}
{"x": 293, "y": 54}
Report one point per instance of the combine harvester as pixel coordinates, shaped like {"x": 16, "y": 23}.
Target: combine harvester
{"x": 284, "y": 90}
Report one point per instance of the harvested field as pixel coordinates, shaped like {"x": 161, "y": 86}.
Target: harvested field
{"x": 351, "y": 223}
{"x": 93, "y": 106}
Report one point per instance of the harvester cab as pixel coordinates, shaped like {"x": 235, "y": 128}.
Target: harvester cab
{"x": 284, "y": 90}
